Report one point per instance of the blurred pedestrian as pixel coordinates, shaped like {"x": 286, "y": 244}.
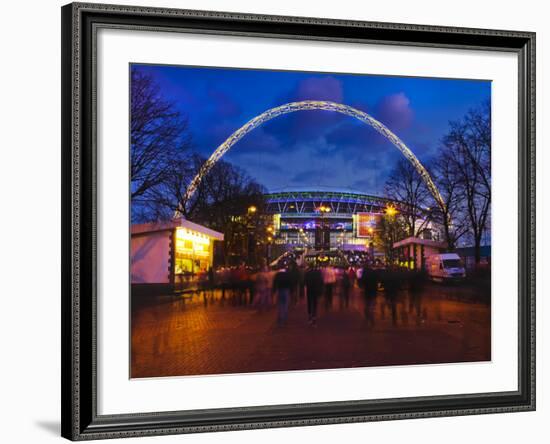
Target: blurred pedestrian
{"x": 242, "y": 283}
{"x": 211, "y": 281}
{"x": 352, "y": 275}
{"x": 313, "y": 280}
{"x": 282, "y": 284}
{"x": 329, "y": 279}
{"x": 301, "y": 281}
{"x": 263, "y": 287}
{"x": 346, "y": 286}
{"x": 392, "y": 284}
{"x": 369, "y": 281}
{"x": 294, "y": 275}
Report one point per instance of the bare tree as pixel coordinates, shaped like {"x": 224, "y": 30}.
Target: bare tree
{"x": 159, "y": 134}
{"x": 162, "y": 201}
{"x": 451, "y": 214}
{"x": 467, "y": 150}
{"x": 226, "y": 191}
{"x": 223, "y": 202}
{"x": 407, "y": 187}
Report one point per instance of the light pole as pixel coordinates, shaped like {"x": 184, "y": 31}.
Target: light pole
{"x": 251, "y": 229}
{"x": 391, "y": 212}
{"x": 323, "y": 210}
{"x": 269, "y": 239}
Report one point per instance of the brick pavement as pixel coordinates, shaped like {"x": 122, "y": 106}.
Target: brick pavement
{"x": 194, "y": 335}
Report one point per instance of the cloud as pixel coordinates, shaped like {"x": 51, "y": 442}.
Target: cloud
{"x": 422, "y": 150}
{"x": 395, "y": 111}
{"x": 360, "y": 144}
{"x": 223, "y": 104}
{"x": 371, "y": 170}
{"x": 354, "y": 135}
{"x": 318, "y": 88}
{"x": 312, "y": 143}
{"x": 308, "y": 177}
{"x": 272, "y": 166}
{"x": 366, "y": 185}
{"x": 258, "y": 141}
{"x": 303, "y": 125}
{"x": 278, "y": 135}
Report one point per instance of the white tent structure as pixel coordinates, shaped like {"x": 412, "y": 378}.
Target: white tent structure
{"x": 161, "y": 252}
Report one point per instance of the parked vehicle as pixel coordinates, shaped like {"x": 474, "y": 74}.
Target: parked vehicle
{"x": 445, "y": 267}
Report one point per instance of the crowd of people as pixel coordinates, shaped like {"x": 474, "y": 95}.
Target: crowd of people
{"x": 315, "y": 282}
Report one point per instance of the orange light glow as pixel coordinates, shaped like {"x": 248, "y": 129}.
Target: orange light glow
{"x": 391, "y": 210}
{"x": 193, "y": 236}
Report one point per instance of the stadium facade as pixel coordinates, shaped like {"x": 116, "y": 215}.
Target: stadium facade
{"x": 324, "y": 218}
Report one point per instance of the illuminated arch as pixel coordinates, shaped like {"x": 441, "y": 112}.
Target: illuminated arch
{"x": 305, "y": 106}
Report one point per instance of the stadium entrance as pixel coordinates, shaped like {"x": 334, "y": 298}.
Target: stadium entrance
{"x": 325, "y": 218}
{"x": 322, "y": 238}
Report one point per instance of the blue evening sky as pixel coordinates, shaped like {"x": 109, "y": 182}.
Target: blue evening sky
{"x": 316, "y": 148}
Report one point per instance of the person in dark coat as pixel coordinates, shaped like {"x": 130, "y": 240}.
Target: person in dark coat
{"x": 392, "y": 284}
{"x": 347, "y": 284}
{"x": 369, "y": 283}
{"x": 282, "y": 285}
{"x": 294, "y": 274}
{"x": 314, "y": 288}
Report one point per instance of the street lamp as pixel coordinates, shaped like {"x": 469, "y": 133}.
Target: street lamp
{"x": 391, "y": 210}
{"x": 251, "y": 234}
{"x": 269, "y": 239}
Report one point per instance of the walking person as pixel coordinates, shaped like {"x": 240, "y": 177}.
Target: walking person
{"x": 313, "y": 280}
{"x": 242, "y": 283}
{"x": 369, "y": 282}
{"x": 346, "y": 288}
{"x": 294, "y": 275}
{"x": 225, "y": 277}
{"x": 263, "y": 288}
{"x": 392, "y": 284}
{"x": 282, "y": 285}
{"x": 301, "y": 282}
{"x": 329, "y": 279}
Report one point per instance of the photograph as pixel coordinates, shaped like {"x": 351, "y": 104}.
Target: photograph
{"x": 296, "y": 217}
{"x": 295, "y": 221}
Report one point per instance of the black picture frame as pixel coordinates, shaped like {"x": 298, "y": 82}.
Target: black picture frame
{"x": 80, "y": 420}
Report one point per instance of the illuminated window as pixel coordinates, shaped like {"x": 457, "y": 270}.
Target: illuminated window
{"x": 192, "y": 251}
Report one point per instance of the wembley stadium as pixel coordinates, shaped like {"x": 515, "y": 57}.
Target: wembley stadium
{"x": 324, "y": 218}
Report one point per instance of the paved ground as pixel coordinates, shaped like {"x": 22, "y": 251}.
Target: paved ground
{"x": 208, "y": 334}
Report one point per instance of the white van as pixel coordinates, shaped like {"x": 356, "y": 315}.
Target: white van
{"x": 445, "y": 267}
